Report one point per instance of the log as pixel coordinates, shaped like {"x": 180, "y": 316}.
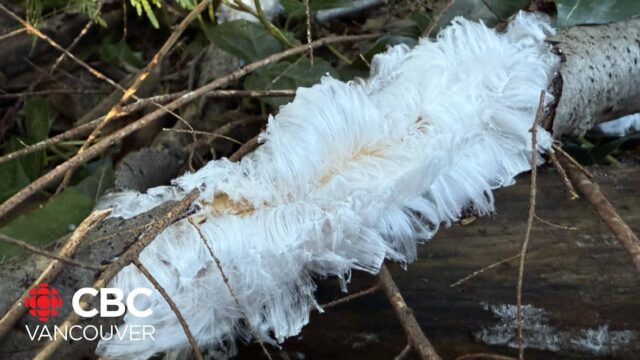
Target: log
{"x": 582, "y": 279}
{"x": 599, "y": 79}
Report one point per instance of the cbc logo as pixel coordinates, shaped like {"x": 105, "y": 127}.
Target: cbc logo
{"x": 111, "y": 298}
{"x": 44, "y": 302}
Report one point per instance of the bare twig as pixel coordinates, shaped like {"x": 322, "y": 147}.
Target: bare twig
{"x": 352, "y": 297}
{"x": 50, "y": 91}
{"x": 307, "y": 9}
{"x": 246, "y": 148}
{"x": 532, "y": 212}
{"x": 83, "y": 32}
{"x": 485, "y": 269}
{"x": 174, "y": 308}
{"x": 230, "y": 288}
{"x": 131, "y": 254}
{"x": 607, "y": 213}
{"x": 18, "y": 309}
{"x": 436, "y": 18}
{"x": 49, "y": 254}
{"x": 573, "y": 161}
{"x": 403, "y": 354}
{"x": 563, "y": 174}
{"x": 108, "y": 141}
{"x": 569, "y": 228}
{"x": 140, "y": 77}
{"x": 416, "y": 337}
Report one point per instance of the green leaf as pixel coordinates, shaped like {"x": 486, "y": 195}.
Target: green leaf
{"x": 38, "y": 118}
{"x": 120, "y": 53}
{"x": 588, "y": 155}
{"x": 247, "y": 40}
{"x": 54, "y": 219}
{"x": 286, "y": 75}
{"x": 489, "y": 11}
{"x": 13, "y": 179}
{"x": 576, "y": 12}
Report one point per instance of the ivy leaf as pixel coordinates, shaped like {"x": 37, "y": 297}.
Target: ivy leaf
{"x": 576, "y": 12}
{"x": 246, "y": 40}
{"x": 286, "y": 75}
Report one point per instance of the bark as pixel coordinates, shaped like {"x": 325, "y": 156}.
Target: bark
{"x": 599, "y": 79}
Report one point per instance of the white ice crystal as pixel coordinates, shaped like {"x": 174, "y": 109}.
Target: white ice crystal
{"x": 348, "y": 174}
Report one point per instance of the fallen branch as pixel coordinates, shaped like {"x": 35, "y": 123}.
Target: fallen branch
{"x": 18, "y": 309}
{"x": 129, "y": 256}
{"x": 108, "y": 141}
{"x": 607, "y": 213}
{"x": 532, "y": 213}
{"x": 174, "y": 308}
{"x": 49, "y": 254}
{"x": 416, "y": 337}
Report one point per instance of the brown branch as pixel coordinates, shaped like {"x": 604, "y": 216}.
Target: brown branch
{"x": 110, "y": 140}
{"x": 563, "y": 174}
{"x": 75, "y": 41}
{"x": 416, "y": 337}
{"x": 573, "y": 161}
{"x": 127, "y": 257}
{"x": 49, "y": 254}
{"x": 246, "y": 148}
{"x": 174, "y": 308}
{"x": 139, "y": 79}
{"x": 352, "y": 297}
{"x": 532, "y": 213}
{"x": 607, "y": 213}
{"x": 403, "y": 354}
{"x": 230, "y": 288}
{"x": 435, "y": 20}
{"x": 44, "y": 37}
{"x": 17, "y": 310}
{"x": 484, "y": 269}
{"x": 547, "y": 222}
{"x": 50, "y": 91}
{"x": 85, "y": 129}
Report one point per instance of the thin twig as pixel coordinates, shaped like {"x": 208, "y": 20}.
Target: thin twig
{"x": 110, "y": 140}
{"x": 49, "y": 92}
{"x": 127, "y": 257}
{"x": 435, "y": 20}
{"x": 18, "y": 309}
{"x": 173, "y": 306}
{"x": 484, "y": 269}
{"x": 352, "y": 297}
{"x": 85, "y": 129}
{"x": 230, "y": 288}
{"x": 83, "y": 32}
{"x": 412, "y": 329}
{"x": 532, "y": 212}
{"x": 307, "y": 9}
{"x": 608, "y": 214}
{"x": 563, "y": 174}
{"x": 139, "y": 79}
{"x": 573, "y": 161}
{"x": 49, "y": 254}
{"x": 569, "y": 228}
{"x": 403, "y": 354}
{"x": 246, "y": 148}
